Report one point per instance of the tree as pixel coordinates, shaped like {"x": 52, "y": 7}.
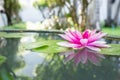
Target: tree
{"x": 117, "y": 14}
{"x": 12, "y": 8}
{"x": 74, "y": 9}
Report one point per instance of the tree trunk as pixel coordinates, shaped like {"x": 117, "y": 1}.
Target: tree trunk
{"x": 108, "y": 20}
{"x": 42, "y": 12}
{"x": 9, "y": 19}
{"x": 84, "y": 15}
{"x": 97, "y": 15}
{"x": 117, "y": 14}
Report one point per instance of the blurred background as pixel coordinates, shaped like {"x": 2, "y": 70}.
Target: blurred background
{"x": 68, "y": 13}
{"x": 23, "y": 22}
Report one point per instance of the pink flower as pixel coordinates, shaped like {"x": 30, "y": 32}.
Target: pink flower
{"x": 86, "y": 46}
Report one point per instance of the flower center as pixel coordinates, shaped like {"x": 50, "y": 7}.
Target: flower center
{"x": 84, "y": 42}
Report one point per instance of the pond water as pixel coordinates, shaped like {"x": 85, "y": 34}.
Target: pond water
{"x": 28, "y": 65}
{"x": 32, "y": 59}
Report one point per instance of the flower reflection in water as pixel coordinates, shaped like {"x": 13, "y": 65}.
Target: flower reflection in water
{"x": 86, "y": 46}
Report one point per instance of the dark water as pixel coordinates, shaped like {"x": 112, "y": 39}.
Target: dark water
{"x": 33, "y": 66}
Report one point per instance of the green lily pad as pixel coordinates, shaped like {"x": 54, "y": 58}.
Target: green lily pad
{"x": 48, "y": 46}
{"x": 15, "y": 26}
{"x": 113, "y": 50}
{"x": 33, "y": 45}
{"x": 12, "y": 35}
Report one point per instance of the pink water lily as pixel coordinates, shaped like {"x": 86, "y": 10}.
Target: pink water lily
{"x": 87, "y": 46}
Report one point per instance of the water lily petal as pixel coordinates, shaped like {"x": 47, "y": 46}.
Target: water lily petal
{"x": 93, "y": 32}
{"x": 86, "y": 34}
{"x": 84, "y": 42}
{"x": 66, "y": 37}
{"x": 93, "y": 48}
{"x": 78, "y": 34}
{"x": 72, "y": 36}
{"x": 86, "y": 45}
{"x": 67, "y": 44}
{"x": 100, "y": 44}
{"x": 96, "y": 36}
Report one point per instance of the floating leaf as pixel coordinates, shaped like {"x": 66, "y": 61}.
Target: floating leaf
{"x": 15, "y": 26}
{"x": 12, "y": 35}
{"x": 33, "y": 45}
{"x": 54, "y": 48}
{"x": 113, "y": 50}
{"x": 49, "y": 46}
{"x": 39, "y": 43}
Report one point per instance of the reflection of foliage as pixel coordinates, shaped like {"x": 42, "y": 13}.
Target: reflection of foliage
{"x": 5, "y": 75}
{"x": 54, "y": 69}
{"x": 2, "y": 59}
{"x": 9, "y": 51}
{"x": 23, "y": 78}
{"x": 50, "y": 3}
{"x": 11, "y": 8}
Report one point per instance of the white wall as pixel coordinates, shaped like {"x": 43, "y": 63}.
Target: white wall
{"x": 3, "y": 19}
{"x": 28, "y": 12}
{"x": 103, "y": 10}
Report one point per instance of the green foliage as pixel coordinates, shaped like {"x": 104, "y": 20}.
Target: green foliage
{"x": 34, "y": 45}
{"x": 5, "y": 75}
{"x": 12, "y": 8}
{"x": 23, "y": 78}
{"x": 113, "y": 50}
{"x": 11, "y": 35}
{"x": 2, "y": 59}
{"x": 112, "y": 31}
{"x": 41, "y": 3}
{"x": 15, "y": 26}
{"x": 45, "y": 46}
{"x": 50, "y": 46}
{"x": 13, "y": 61}
{"x": 49, "y": 3}
{"x": 66, "y": 9}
